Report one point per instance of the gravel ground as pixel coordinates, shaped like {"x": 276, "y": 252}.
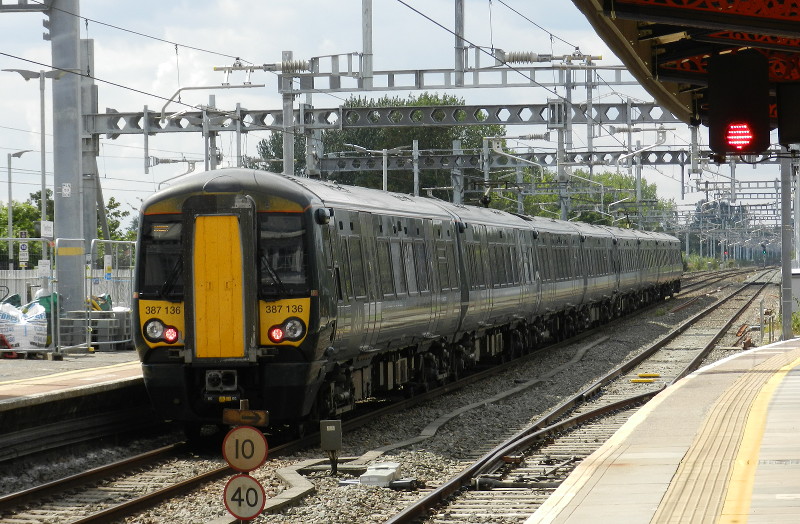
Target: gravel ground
{"x": 433, "y": 460}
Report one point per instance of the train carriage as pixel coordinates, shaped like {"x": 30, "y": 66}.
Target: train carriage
{"x": 306, "y": 297}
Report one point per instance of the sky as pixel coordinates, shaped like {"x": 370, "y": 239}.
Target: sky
{"x": 135, "y": 47}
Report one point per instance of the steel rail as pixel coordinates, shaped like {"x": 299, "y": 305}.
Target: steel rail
{"x": 546, "y": 426}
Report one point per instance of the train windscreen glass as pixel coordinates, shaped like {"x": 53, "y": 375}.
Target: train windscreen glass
{"x": 283, "y": 263}
{"x": 161, "y": 271}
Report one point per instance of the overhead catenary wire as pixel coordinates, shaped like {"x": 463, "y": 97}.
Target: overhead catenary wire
{"x": 501, "y": 61}
{"x": 176, "y": 45}
{"x": 138, "y": 33}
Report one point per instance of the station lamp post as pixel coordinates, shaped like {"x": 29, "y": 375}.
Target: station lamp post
{"x": 10, "y": 210}
{"x": 41, "y": 75}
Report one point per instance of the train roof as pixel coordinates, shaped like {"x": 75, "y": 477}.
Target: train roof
{"x": 307, "y": 191}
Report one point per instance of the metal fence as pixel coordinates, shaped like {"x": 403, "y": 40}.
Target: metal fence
{"x": 31, "y": 317}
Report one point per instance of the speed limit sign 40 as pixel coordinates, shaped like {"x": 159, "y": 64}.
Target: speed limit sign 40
{"x": 244, "y": 497}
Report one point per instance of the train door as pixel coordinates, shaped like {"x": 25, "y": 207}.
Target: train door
{"x": 484, "y": 267}
{"x": 425, "y": 254}
{"x": 342, "y": 279}
{"x": 614, "y": 256}
{"x": 221, "y": 299}
{"x": 535, "y": 270}
{"x": 447, "y": 289}
{"x": 374, "y": 296}
{"x": 218, "y": 287}
{"x": 584, "y": 266}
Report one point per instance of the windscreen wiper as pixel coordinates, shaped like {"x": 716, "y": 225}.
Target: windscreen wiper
{"x": 172, "y": 278}
{"x": 273, "y": 275}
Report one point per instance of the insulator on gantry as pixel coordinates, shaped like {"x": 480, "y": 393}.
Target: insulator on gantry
{"x": 526, "y": 57}
{"x": 293, "y": 66}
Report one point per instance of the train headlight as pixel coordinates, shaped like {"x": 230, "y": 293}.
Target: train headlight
{"x": 291, "y": 329}
{"x": 156, "y": 331}
{"x": 294, "y": 329}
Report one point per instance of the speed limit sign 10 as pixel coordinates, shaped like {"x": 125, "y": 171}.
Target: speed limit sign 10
{"x": 245, "y": 448}
{"x": 244, "y": 497}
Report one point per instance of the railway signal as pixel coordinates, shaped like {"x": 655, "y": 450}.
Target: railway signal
{"x": 738, "y": 98}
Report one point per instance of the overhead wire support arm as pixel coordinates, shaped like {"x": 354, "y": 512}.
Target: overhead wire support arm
{"x": 660, "y": 140}
{"x": 198, "y": 88}
{"x": 497, "y": 148}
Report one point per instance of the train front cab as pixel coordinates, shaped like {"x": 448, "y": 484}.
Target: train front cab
{"x": 232, "y": 288}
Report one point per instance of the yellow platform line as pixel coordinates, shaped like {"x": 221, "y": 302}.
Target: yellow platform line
{"x": 736, "y": 507}
{"x": 70, "y": 372}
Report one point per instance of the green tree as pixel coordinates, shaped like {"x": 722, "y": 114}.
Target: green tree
{"x": 429, "y": 137}
{"x": 590, "y": 197}
{"x": 27, "y": 214}
{"x": 115, "y": 216}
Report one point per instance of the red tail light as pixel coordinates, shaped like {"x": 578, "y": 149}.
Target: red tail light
{"x": 170, "y": 335}
{"x": 276, "y": 334}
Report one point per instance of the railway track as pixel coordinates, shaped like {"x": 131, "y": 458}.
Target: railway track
{"x": 111, "y": 493}
{"x": 509, "y": 483}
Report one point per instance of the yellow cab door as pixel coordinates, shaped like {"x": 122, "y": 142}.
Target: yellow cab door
{"x": 219, "y": 319}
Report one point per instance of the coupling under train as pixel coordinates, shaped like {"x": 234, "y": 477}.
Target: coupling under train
{"x": 306, "y": 297}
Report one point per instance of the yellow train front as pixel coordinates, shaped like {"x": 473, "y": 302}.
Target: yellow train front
{"x": 227, "y": 300}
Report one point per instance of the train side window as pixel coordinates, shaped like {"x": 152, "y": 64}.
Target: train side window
{"x": 357, "y": 268}
{"x": 420, "y": 254}
{"x": 451, "y": 264}
{"x": 411, "y": 273}
{"x": 481, "y": 275}
{"x": 470, "y": 266}
{"x": 502, "y": 264}
{"x": 514, "y": 264}
{"x": 347, "y": 280}
{"x": 491, "y": 255}
{"x": 511, "y": 274}
{"x": 385, "y": 268}
{"x": 398, "y": 274}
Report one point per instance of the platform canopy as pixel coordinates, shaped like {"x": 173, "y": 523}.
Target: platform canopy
{"x": 666, "y": 44}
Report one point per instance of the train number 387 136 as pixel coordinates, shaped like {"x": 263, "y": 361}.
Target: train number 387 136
{"x": 167, "y": 310}
{"x": 279, "y": 308}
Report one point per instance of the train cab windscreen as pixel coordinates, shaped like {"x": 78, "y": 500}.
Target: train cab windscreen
{"x": 283, "y": 262}
{"x": 161, "y": 261}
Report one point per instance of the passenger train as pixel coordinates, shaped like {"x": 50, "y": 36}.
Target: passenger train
{"x": 306, "y": 297}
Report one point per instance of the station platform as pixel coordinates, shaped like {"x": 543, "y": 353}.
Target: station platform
{"x": 32, "y": 381}
{"x": 721, "y": 445}
{"x": 82, "y": 386}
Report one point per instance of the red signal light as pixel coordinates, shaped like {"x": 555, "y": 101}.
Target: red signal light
{"x": 738, "y": 98}
{"x": 739, "y": 135}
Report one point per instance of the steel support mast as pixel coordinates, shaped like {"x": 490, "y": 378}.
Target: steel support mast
{"x": 67, "y": 162}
